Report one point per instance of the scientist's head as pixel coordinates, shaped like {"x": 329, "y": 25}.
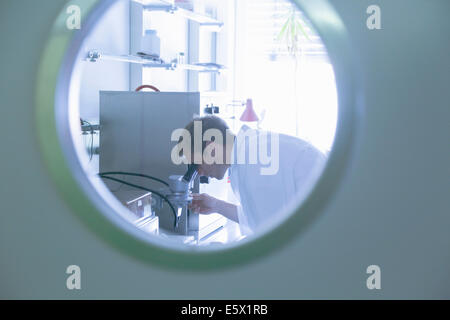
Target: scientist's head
{"x": 211, "y": 145}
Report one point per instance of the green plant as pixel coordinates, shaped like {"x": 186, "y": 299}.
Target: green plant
{"x": 292, "y": 31}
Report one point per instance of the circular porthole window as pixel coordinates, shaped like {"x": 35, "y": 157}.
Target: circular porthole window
{"x": 197, "y": 134}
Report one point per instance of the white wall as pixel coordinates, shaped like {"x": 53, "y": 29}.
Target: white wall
{"x": 173, "y": 32}
{"x": 112, "y": 35}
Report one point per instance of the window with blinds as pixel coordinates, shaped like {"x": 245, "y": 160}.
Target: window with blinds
{"x": 290, "y": 79}
{"x": 267, "y": 19}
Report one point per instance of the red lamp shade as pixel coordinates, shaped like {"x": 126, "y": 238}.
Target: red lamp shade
{"x": 249, "y": 114}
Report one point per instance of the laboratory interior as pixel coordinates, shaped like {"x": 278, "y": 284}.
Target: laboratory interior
{"x": 93, "y": 91}
{"x": 147, "y": 68}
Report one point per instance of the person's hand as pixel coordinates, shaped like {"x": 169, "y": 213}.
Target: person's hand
{"x": 204, "y": 204}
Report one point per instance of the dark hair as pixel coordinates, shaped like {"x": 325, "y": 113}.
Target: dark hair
{"x": 208, "y": 122}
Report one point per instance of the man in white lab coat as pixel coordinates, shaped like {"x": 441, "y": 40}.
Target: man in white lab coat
{"x": 268, "y": 172}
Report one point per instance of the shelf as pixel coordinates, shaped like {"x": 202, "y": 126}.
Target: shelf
{"x": 169, "y": 7}
{"x": 94, "y": 56}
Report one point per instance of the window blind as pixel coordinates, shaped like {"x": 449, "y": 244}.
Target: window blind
{"x": 266, "y": 19}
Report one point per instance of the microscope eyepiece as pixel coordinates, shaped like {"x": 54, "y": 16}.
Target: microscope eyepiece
{"x": 191, "y": 173}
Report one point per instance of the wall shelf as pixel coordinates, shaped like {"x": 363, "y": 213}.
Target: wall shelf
{"x": 95, "y": 56}
{"x": 170, "y": 7}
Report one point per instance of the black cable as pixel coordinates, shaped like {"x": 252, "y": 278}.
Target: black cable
{"x": 146, "y": 189}
{"x": 134, "y": 175}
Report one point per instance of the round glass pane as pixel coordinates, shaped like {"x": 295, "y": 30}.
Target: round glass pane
{"x": 198, "y": 127}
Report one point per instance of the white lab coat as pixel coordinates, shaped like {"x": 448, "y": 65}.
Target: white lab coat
{"x": 262, "y": 198}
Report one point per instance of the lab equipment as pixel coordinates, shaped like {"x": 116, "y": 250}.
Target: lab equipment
{"x": 140, "y": 204}
{"x": 212, "y": 109}
{"x": 191, "y": 174}
{"x": 136, "y": 136}
{"x": 180, "y": 192}
{"x": 179, "y": 195}
{"x": 181, "y": 58}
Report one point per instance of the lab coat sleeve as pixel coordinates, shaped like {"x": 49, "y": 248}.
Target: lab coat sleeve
{"x": 307, "y": 170}
{"x": 243, "y": 222}
{"x": 241, "y": 214}
{"x": 260, "y": 198}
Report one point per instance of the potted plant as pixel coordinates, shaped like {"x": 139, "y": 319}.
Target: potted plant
{"x": 291, "y": 33}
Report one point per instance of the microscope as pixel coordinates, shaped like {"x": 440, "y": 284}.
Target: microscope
{"x": 179, "y": 195}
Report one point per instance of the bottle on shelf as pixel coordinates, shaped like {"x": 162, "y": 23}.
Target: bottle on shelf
{"x": 151, "y": 44}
